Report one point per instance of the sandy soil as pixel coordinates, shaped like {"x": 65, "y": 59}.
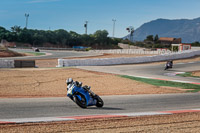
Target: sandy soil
{"x": 51, "y": 83}
{"x": 196, "y": 73}
{"x": 43, "y": 82}
{"x": 8, "y": 53}
{"x": 178, "y": 123}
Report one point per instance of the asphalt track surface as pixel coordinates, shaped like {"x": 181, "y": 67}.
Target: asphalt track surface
{"x": 53, "y": 107}
{"x": 150, "y": 70}
{"x": 63, "y": 107}
{"x": 51, "y": 54}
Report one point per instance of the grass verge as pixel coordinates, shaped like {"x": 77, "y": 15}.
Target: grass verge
{"x": 195, "y": 88}
{"x": 187, "y": 74}
{"x": 36, "y": 53}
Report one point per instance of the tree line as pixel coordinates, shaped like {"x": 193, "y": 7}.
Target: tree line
{"x": 196, "y": 44}
{"x": 63, "y": 38}
{"x": 153, "y": 42}
{"x": 58, "y": 38}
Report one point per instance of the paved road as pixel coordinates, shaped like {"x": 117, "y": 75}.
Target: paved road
{"x": 150, "y": 70}
{"x": 52, "y": 54}
{"x": 55, "y": 107}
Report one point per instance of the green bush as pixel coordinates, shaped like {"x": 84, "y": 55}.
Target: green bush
{"x": 88, "y": 49}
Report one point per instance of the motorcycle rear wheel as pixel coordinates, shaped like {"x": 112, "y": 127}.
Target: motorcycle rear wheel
{"x": 100, "y": 102}
{"x": 81, "y": 103}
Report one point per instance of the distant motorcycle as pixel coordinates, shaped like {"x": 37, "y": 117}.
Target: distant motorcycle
{"x": 83, "y": 96}
{"x": 169, "y": 64}
{"x": 37, "y": 50}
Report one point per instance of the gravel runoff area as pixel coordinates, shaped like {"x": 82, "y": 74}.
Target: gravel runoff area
{"x": 197, "y": 73}
{"x": 43, "y": 82}
{"x": 50, "y": 82}
{"x": 40, "y": 82}
{"x": 177, "y": 123}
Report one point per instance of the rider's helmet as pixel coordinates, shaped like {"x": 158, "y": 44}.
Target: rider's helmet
{"x": 69, "y": 81}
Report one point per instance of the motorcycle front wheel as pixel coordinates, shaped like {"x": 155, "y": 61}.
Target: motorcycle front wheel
{"x": 81, "y": 102}
{"x": 100, "y": 102}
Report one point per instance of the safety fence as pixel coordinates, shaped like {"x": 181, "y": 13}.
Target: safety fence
{"x": 126, "y": 60}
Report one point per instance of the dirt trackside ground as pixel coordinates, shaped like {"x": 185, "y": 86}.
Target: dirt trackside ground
{"x": 51, "y": 82}
{"x": 178, "y": 123}
{"x": 196, "y": 73}
{"x": 40, "y": 82}
{"x": 9, "y": 53}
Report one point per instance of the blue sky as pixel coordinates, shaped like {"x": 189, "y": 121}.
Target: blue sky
{"x": 72, "y": 14}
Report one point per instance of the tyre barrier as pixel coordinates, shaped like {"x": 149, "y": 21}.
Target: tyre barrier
{"x": 126, "y": 60}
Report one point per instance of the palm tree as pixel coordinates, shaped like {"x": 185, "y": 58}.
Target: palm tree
{"x": 16, "y": 29}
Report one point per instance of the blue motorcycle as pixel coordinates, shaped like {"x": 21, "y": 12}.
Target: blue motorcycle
{"x": 83, "y": 96}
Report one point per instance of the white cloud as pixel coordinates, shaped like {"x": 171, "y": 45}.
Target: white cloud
{"x": 42, "y": 1}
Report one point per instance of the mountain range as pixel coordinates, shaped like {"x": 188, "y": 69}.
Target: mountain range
{"x": 187, "y": 29}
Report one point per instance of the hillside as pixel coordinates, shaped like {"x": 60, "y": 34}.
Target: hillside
{"x": 188, "y": 30}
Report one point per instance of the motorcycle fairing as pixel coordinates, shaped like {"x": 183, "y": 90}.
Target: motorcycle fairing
{"x": 89, "y": 100}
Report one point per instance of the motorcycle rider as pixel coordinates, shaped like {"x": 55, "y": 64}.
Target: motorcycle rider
{"x": 70, "y": 82}
{"x": 82, "y": 96}
{"x": 169, "y": 64}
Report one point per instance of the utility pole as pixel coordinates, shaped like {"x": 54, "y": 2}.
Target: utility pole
{"x": 85, "y": 25}
{"x": 130, "y": 29}
{"x": 114, "y": 20}
{"x": 26, "y": 15}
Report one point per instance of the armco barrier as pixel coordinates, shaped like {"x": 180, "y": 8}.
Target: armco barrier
{"x": 126, "y": 60}
{"x": 6, "y": 63}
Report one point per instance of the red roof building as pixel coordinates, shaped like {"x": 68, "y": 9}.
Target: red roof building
{"x": 169, "y": 40}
